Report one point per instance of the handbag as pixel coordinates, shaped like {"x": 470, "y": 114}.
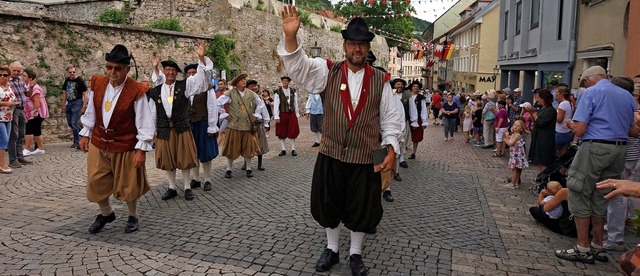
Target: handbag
{"x": 630, "y": 261}
{"x": 254, "y": 125}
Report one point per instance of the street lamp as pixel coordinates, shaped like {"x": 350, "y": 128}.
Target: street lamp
{"x": 316, "y": 50}
{"x": 496, "y": 70}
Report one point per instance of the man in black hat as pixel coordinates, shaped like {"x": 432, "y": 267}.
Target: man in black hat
{"x": 361, "y": 117}
{"x": 175, "y": 146}
{"x": 117, "y": 132}
{"x": 286, "y": 113}
{"x": 203, "y": 116}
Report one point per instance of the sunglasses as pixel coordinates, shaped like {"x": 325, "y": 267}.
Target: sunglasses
{"x": 4, "y": 75}
{"x": 72, "y": 72}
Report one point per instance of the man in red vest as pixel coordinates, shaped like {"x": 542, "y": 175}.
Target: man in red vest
{"x": 362, "y": 122}
{"x": 117, "y": 132}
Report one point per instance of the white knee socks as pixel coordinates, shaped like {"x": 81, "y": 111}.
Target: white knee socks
{"x": 318, "y": 134}
{"x": 293, "y": 144}
{"x": 248, "y": 162}
{"x": 185, "y": 179}
{"x": 333, "y": 238}
{"x": 229, "y": 164}
{"x": 207, "y": 171}
{"x": 171, "y": 175}
{"x": 195, "y": 173}
{"x": 356, "y": 243}
{"x": 282, "y": 145}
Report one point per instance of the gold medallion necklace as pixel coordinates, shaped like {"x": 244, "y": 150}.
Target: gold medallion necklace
{"x": 109, "y": 103}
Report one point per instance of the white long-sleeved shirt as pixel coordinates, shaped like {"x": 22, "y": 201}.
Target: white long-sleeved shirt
{"x": 144, "y": 120}
{"x": 197, "y": 83}
{"x": 397, "y": 97}
{"x": 311, "y": 75}
{"x": 276, "y": 103}
{"x": 224, "y": 99}
{"x": 413, "y": 112}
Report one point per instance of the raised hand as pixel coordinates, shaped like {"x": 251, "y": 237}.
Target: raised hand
{"x": 290, "y": 21}
{"x": 155, "y": 61}
{"x": 201, "y": 48}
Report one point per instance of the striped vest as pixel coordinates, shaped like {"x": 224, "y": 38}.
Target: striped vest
{"x": 351, "y": 141}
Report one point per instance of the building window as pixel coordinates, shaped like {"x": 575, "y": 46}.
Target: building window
{"x": 506, "y": 24}
{"x": 518, "y": 17}
{"x": 535, "y": 13}
{"x": 560, "y": 14}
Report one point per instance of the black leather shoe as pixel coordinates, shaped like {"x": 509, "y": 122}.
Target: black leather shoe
{"x": 24, "y": 161}
{"x": 294, "y": 153}
{"x": 227, "y": 174}
{"x": 387, "y": 196}
{"x": 327, "y": 260}
{"x": 188, "y": 194}
{"x": 282, "y": 153}
{"x": 100, "y": 222}
{"x": 169, "y": 194}
{"x": 413, "y": 156}
{"x": 195, "y": 184}
{"x": 397, "y": 177}
{"x": 260, "y": 168}
{"x": 207, "y": 186}
{"x": 249, "y": 173}
{"x": 404, "y": 164}
{"x": 132, "y": 225}
{"x": 316, "y": 144}
{"x": 357, "y": 266}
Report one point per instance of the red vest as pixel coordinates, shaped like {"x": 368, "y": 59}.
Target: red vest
{"x": 120, "y": 134}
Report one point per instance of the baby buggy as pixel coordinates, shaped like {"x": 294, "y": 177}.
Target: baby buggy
{"x": 557, "y": 171}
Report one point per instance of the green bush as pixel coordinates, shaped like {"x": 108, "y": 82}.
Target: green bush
{"x": 220, "y": 49}
{"x": 167, "y": 24}
{"x": 305, "y": 18}
{"x": 112, "y": 15}
{"x": 335, "y": 28}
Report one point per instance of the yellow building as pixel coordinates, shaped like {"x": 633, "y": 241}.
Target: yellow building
{"x": 474, "y": 57}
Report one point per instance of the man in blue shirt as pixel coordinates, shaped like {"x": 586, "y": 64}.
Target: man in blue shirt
{"x": 603, "y": 120}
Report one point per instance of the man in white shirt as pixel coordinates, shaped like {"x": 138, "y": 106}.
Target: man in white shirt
{"x": 361, "y": 117}
{"x": 117, "y": 132}
{"x": 169, "y": 100}
{"x": 286, "y": 113}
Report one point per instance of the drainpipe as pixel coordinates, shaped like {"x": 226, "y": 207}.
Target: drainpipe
{"x": 573, "y": 42}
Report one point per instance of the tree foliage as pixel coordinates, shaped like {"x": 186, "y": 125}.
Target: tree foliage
{"x": 112, "y": 15}
{"x": 313, "y": 5}
{"x": 400, "y": 26}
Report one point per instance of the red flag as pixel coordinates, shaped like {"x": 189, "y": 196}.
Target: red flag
{"x": 371, "y": 2}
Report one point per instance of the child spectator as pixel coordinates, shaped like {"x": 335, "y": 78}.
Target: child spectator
{"x": 517, "y": 158}
{"x": 466, "y": 122}
{"x": 546, "y": 195}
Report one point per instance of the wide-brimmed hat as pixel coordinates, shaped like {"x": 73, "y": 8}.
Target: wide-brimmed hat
{"x": 478, "y": 93}
{"x": 357, "y": 30}
{"x": 171, "y": 63}
{"x": 118, "y": 54}
{"x": 394, "y": 81}
{"x": 190, "y": 66}
{"x": 285, "y": 77}
{"x": 238, "y": 78}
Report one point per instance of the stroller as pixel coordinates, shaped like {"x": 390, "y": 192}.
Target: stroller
{"x": 557, "y": 171}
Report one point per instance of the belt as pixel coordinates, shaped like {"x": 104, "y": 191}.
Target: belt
{"x": 617, "y": 143}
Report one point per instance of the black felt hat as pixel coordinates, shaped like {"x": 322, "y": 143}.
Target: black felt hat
{"x": 190, "y": 66}
{"x": 371, "y": 57}
{"x": 358, "y": 30}
{"x": 250, "y": 82}
{"x": 394, "y": 81}
{"x": 285, "y": 77}
{"x": 118, "y": 54}
{"x": 171, "y": 63}
{"x": 416, "y": 82}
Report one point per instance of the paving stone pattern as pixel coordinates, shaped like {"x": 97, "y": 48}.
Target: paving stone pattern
{"x": 451, "y": 217}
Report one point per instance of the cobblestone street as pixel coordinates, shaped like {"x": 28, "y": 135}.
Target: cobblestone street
{"x": 451, "y": 216}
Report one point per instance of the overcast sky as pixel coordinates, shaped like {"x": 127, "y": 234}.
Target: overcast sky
{"x": 427, "y": 10}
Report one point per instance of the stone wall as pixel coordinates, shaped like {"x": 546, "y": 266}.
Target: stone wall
{"x": 49, "y": 44}
{"x": 82, "y": 10}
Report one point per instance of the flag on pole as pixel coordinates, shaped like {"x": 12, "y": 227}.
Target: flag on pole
{"x": 448, "y": 50}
